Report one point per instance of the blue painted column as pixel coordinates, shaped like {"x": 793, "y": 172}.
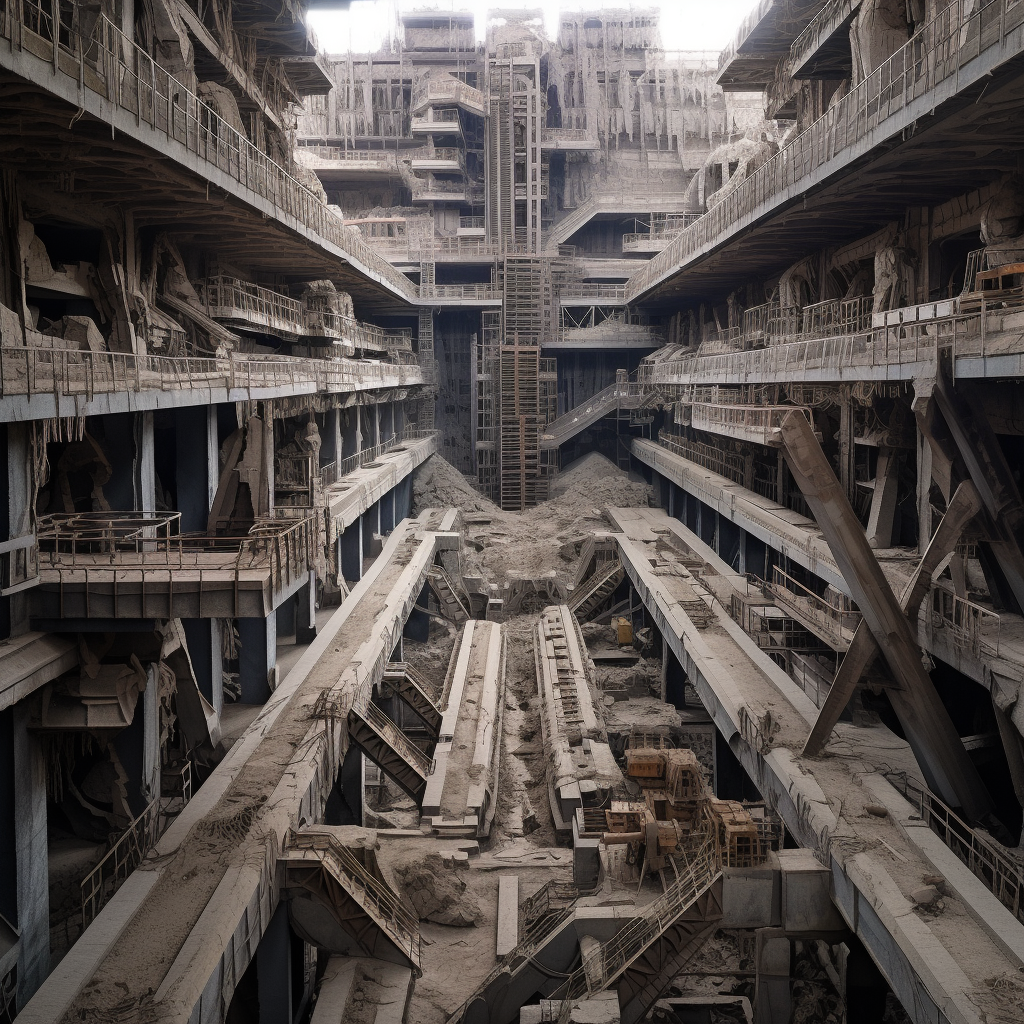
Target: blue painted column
{"x": 305, "y": 611}
{"x": 351, "y": 542}
{"x": 257, "y": 656}
{"x": 274, "y": 969}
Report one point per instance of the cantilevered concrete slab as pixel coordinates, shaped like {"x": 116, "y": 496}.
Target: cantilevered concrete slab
{"x": 199, "y": 906}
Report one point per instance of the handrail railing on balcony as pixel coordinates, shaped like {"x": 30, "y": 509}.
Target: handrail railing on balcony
{"x": 758, "y": 423}
{"x": 284, "y": 543}
{"x": 938, "y": 51}
{"x": 973, "y": 627}
{"x": 59, "y": 372}
{"x": 110, "y": 65}
{"x": 597, "y": 292}
{"x": 727, "y": 464}
{"x": 338, "y": 154}
{"x": 838, "y": 624}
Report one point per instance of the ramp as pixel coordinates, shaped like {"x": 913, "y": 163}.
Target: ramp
{"x": 588, "y": 597}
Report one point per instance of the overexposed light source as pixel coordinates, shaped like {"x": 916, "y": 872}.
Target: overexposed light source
{"x": 685, "y": 24}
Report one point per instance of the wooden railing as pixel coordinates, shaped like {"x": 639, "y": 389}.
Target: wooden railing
{"x": 110, "y": 65}
{"x": 936, "y": 53}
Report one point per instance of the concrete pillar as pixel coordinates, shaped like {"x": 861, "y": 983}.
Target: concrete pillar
{"x": 924, "y": 492}
{"x": 31, "y": 854}
{"x": 330, "y": 437}
{"x": 352, "y": 784}
{"x": 370, "y": 520}
{"x": 403, "y": 500}
{"x": 305, "y": 611}
{"x": 138, "y": 747}
{"x": 883, "y": 499}
{"x": 351, "y": 438}
{"x": 387, "y": 420}
{"x": 128, "y": 18}
{"x": 387, "y": 511}
{"x": 16, "y": 520}
{"x": 274, "y": 969}
{"x": 847, "y": 448}
{"x": 417, "y": 626}
{"x": 257, "y": 656}
{"x": 145, "y": 462}
{"x": 204, "y": 650}
{"x": 399, "y": 417}
{"x": 773, "y": 1000}
{"x": 351, "y": 542}
{"x": 197, "y": 473}
{"x": 286, "y": 617}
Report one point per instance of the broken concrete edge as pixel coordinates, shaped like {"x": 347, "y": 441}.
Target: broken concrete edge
{"x": 84, "y": 958}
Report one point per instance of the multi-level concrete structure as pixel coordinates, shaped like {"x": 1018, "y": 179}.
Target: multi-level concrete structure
{"x": 247, "y": 289}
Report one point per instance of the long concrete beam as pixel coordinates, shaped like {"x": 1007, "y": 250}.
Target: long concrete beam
{"x": 200, "y": 903}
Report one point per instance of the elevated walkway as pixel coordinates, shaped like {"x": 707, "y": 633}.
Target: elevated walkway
{"x": 624, "y": 203}
{"x": 316, "y": 860}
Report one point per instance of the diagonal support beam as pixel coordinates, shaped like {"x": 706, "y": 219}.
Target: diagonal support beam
{"x": 963, "y": 506}
{"x": 991, "y": 474}
{"x": 948, "y": 769}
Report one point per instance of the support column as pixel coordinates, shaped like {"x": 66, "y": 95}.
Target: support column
{"x": 387, "y": 420}
{"x": 847, "y": 446}
{"x": 145, "y": 453}
{"x": 352, "y": 436}
{"x": 399, "y": 417}
{"x": 257, "y": 656}
{"x": 33, "y": 889}
{"x": 351, "y": 542}
{"x": 274, "y": 969}
{"x": 15, "y": 521}
{"x": 773, "y": 998}
{"x": 387, "y": 511}
{"x": 138, "y": 747}
{"x": 305, "y": 611}
{"x": 204, "y": 638}
{"x": 330, "y": 437}
{"x": 197, "y": 473}
{"x": 924, "y": 491}
{"x": 883, "y": 500}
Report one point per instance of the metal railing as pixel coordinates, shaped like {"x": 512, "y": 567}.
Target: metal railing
{"x": 727, "y": 464}
{"x": 227, "y": 298}
{"x": 461, "y": 291}
{"x": 594, "y": 292}
{"x": 448, "y": 90}
{"x": 936, "y": 53}
{"x": 973, "y": 627}
{"x": 123, "y": 857}
{"x": 820, "y": 27}
{"x": 374, "y": 895}
{"x": 392, "y": 735}
{"x": 838, "y": 624}
{"x": 110, "y": 65}
{"x": 57, "y": 372}
{"x": 446, "y": 154}
{"x": 437, "y": 117}
{"x": 385, "y": 159}
{"x": 604, "y": 401}
{"x": 602, "y": 964}
{"x": 284, "y": 544}
{"x": 1002, "y": 875}
{"x": 472, "y": 222}
{"x": 758, "y": 423}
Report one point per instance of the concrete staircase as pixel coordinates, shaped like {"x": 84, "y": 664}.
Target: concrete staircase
{"x": 389, "y": 748}
{"x": 362, "y": 904}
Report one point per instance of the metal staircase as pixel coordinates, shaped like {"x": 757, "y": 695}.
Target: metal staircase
{"x": 588, "y": 597}
{"x": 621, "y": 395}
{"x": 406, "y": 684}
{"x": 364, "y": 905}
{"x": 389, "y": 748}
{"x": 644, "y": 957}
{"x": 444, "y": 588}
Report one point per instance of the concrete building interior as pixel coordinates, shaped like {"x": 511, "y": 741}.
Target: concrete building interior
{"x": 521, "y": 525}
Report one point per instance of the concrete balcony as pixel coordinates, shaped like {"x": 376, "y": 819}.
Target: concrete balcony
{"x": 471, "y": 227}
{"x": 334, "y": 165}
{"x": 437, "y": 122}
{"x": 614, "y": 202}
{"x": 38, "y": 383}
{"x": 463, "y": 294}
{"x": 138, "y": 565}
{"x": 526, "y": 191}
{"x": 758, "y": 424}
{"x": 568, "y": 139}
{"x": 822, "y": 50}
{"x": 431, "y": 191}
{"x": 611, "y": 334}
{"x": 445, "y": 160}
{"x": 115, "y": 82}
{"x": 932, "y": 82}
{"x": 593, "y": 295}
{"x": 449, "y": 91}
